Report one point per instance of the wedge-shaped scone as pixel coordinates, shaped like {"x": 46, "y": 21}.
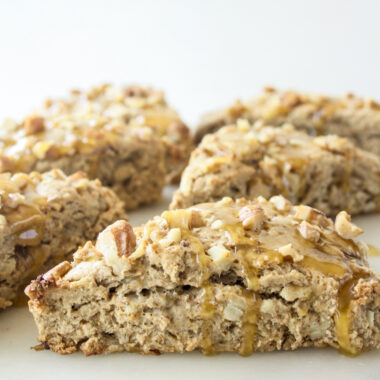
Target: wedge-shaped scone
{"x": 43, "y": 219}
{"x": 228, "y": 276}
{"x": 356, "y": 118}
{"x": 134, "y": 106}
{"x": 326, "y": 172}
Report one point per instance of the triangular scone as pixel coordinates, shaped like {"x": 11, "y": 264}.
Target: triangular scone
{"x": 228, "y": 276}
{"x": 348, "y": 116}
{"x": 43, "y": 220}
{"x": 327, "y": 172}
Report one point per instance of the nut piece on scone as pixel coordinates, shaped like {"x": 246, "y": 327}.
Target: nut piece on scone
{"x": 134, "y": 106}
{"x": 43, "y": 220}
{"x": 129, "y": 138}
{"x": 217, "y": 285}
{"x": 325, "y": 172}
{"x": 348, "y": 116}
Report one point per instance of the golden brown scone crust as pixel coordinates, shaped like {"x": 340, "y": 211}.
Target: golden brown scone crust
{"x": 325, "y": 172}
{"x": 43, "y": 220}
{"x": 228, "y": 276}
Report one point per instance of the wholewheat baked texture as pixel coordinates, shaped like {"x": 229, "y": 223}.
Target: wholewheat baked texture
{"x": 326, "y": 172}
{"x": 128, "y": 158}
{"x": 228, "y": 276}
{"x": 133, "y": 106}
{"x": 43, "y": 220}
{"x": 349, "y": 116}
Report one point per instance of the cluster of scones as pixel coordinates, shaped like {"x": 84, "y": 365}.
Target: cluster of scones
{"x": 257, "y": 251}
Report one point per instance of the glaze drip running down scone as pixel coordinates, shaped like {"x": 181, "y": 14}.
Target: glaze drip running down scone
{"x": 238, "y": 276}
{"x": 326, "y": 172}
{"x": 43, "y": 219}
{"x": 349, "y": 116}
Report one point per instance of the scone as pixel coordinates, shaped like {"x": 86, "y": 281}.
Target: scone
{"x": 356, "y": 118}
{"x": 228, "y": 276}
{"x": 43, "y": 219}
{"x": 326, "y": 172}
{"x": 134, "y": 106}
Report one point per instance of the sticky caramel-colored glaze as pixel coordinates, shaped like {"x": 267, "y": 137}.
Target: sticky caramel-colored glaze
{"x": 237, "y": 235}
{"x": 343, "y": 318}
{"x": 329, "y": 268}
{"x": 27, "y": 225}
{"x": 249, "y": 323}
{"x": 207, "y": 314}
{"x": 202, "y": 259}
{"x": 373, "y": 251}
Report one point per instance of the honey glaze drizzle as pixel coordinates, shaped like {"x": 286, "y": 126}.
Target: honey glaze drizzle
{"x": 249, "y": 324}
{"x": 27, "y": 225}
{"x": 343, "y": 317}
{"x": 207, "y": 313}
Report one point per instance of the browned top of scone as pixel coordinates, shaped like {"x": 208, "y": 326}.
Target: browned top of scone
{"x": 243, "y": 239}
{"x": 278, "y": 106}
{"x": 86, "y": 122}
{"x": 190, "y": 246}
{"x": 26, "y": 197}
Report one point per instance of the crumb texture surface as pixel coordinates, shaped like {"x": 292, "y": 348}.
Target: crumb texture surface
{"x": 238, "y": 276}
{"x": 326, "y": 172}
{"x": 348, "y": 116}
{"x": 127, "y": 137}
{"x": 43, "y": 220}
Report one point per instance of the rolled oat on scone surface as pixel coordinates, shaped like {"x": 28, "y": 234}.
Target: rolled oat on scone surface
{"x": 129, "y": 159}
{"x": 242, "y": 276}
{"x": 326, "y": 172}
{"x": 43, "y": 220}
{"x": 349, "y": 116}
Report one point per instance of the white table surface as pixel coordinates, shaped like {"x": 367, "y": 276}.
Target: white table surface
{"x": 18, "y": 361}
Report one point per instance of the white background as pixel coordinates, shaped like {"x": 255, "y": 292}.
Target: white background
{"x": 204, "y": 54}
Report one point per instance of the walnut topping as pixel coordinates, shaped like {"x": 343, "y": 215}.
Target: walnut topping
{"x": 280, "y": 203}
{"x": 243, "y": 125}
{"x": 289, "y": 251}
{"x": 252, "y": 217}
{"x": 173, "y": 236}
{"x": 220, "y": 256}
{"x": 58, "y": 271}
{"x": 345, "y": 228}
{"x": 189, "y": 218}
{"x": 309, "y": 231}
{"x": 311, "y": 215}
{"x": 117, "y": 240}
{"x": 34, "y": 125}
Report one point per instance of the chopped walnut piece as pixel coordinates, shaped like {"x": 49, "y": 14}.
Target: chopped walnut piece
{"x": 34, "y": 125}
{"x": 58, "y": 271}
{"x": 281, "y": 203}
{"x": 220, "y": 256}
{"x": 117, "y": 240}
{"x": 311, "y": 215}
{"x": 195, "y": 219}
{"x": 345, "y": 228}
{"x": 309, "y": 231}
{"x": 289, "y": 251}
{"x": 252, "y": 217}
{"x": 6, "y": 164}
